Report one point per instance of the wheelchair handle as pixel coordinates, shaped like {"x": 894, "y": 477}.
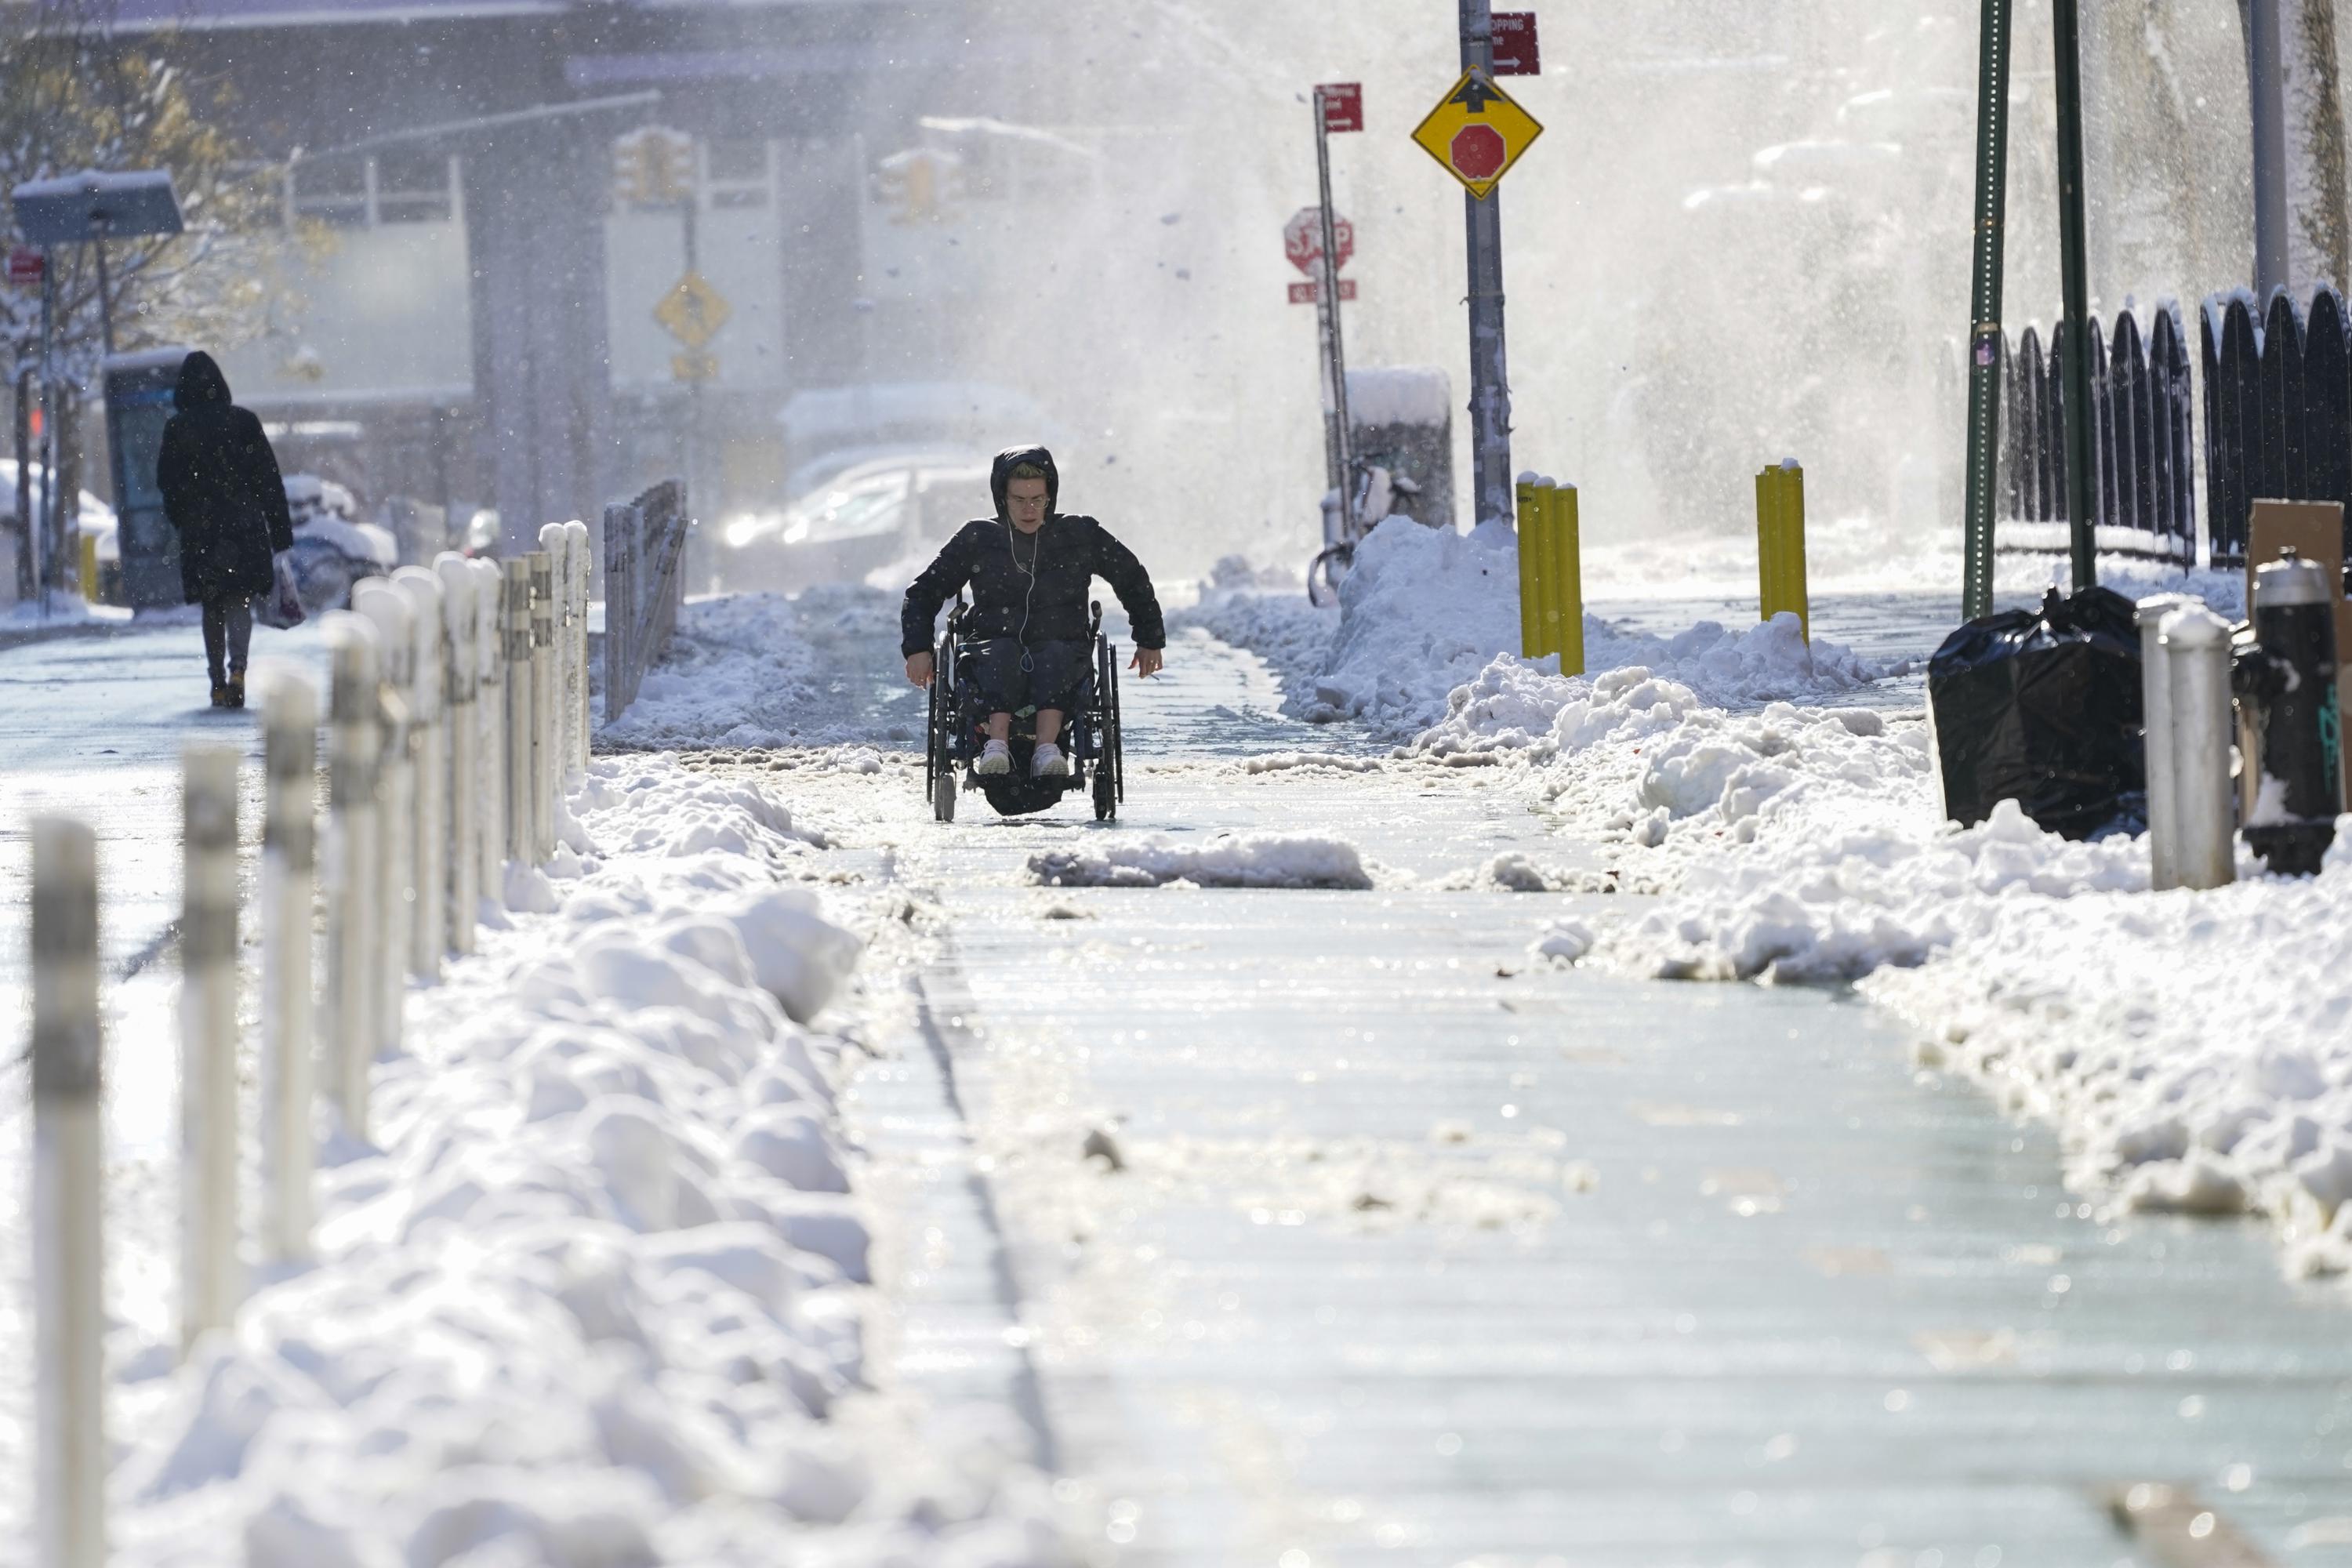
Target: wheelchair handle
{"x": 1095, "y": 629}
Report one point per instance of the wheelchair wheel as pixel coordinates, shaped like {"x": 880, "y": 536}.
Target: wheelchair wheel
{"x": 1109, "y": 783}
{"x": 939, "y": 773}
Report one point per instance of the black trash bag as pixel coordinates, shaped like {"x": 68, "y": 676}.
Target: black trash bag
{"x": 2044, "y": 708}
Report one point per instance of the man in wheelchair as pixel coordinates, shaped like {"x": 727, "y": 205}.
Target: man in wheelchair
{"x": 1029, "y": 568}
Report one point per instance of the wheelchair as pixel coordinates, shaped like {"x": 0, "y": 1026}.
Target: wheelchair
{"x": 958, "y": 727}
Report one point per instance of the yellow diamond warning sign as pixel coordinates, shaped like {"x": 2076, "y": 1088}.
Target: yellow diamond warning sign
{"x": 1477, "y": 132}
{"x": 693, "y": 311}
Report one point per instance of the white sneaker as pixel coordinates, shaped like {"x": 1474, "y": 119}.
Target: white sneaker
{"x": 996, "y": 757}
{"x": 1049, "y": 762}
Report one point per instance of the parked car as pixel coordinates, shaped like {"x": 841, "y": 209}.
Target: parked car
{"x": 874, "y": 518}
{"x": 332, "y": 549}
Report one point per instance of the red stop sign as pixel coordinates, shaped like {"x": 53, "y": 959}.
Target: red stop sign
{"x": 1478, "y": 151}
{"x": 1302, "y": 240}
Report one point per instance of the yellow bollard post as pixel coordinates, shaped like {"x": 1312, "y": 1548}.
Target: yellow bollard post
{"x": 89, "y": 564}
{"x": 1535, "y": 567}
{"x": 1568, "y": 581}
{"x": 1780, "y": 543}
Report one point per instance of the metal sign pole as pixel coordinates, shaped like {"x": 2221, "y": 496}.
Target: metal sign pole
{"x": 693, "y": 455}
{"x": 2265, "y": 82}
{"x": 1490, "y": 389}
{"x": 1338, "y": 437}
{"x": 2065, "y": 28}
{"x": 1984, "y": 309}
{"x": 37, "y": 534}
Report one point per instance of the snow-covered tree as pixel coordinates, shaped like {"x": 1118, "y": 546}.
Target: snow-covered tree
{"x": 74, "y": 95}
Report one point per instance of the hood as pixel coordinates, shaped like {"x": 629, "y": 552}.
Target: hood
{"x": 1011, "y": 457}
{"x": 202, "y": 384}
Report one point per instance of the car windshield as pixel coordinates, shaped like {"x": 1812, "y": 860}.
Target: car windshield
{"x": 867, "y": 508}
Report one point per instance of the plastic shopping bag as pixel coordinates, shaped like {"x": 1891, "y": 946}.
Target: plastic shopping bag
{"x": 282, "y": 606}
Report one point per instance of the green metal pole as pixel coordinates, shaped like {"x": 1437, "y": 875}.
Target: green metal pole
{"x": 2065, "y": 27}
{"x": 1984, "y": 308}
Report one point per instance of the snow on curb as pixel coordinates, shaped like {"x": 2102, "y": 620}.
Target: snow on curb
{"x": 1427, "y": 613}
{"x": 743, "y": 670}
{"x": 1245, "y": 860}
{"x": 2195, "y": 1048}
{"x": 1295, "y": 762}
{"x": 595, "y": 1300}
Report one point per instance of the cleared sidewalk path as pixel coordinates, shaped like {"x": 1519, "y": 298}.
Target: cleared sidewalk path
{"x": 1426, "y": 1253}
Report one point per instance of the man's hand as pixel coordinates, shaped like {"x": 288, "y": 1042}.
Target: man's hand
{"x": 1146, "y": 661}
{"x": 919, "y": 670}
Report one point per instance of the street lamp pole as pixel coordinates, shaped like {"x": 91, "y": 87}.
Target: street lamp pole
{"x": 2075, "y": 286}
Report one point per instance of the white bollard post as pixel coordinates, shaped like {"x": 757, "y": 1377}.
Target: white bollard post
{"x": 556, "y": 544}
{"x": 522, "y": 825}
{"x": 428, "y": 934}
{"x": 395, "y": 627}
{"x": 289, "y": 724}
{"x": 490, "y": 721}
{"x": 545, "y": 783}
{"x": 2156, "y": 702}
{"x": 353, "y": 861}
{"x": 460, "y": 619}
{"x": 209, "y": 1283}
{"x": 2195, "y": 643}
{"x": 582, "y": 569}
{"x": 69, "y": 1308}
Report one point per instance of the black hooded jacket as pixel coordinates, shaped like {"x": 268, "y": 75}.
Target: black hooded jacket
{"x": 221, "y": 489}
{"x": 1069, "y": 554}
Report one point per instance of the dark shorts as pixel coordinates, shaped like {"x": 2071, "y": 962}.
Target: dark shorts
{"x": 1055, "y": 671}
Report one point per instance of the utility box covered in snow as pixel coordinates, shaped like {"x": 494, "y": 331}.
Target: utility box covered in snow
{"x": 1401, "y": 418}
{"x": 139, "y": 389}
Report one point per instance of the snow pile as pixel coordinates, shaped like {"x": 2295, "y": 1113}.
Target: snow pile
{"x": 594, "y": 1298}
{"x": 1828, "y": 890}
{"x": 1292, "y": 762}
{"x": 1243, "y": 860}
{"x": 1427, "y": 613}
{"x": 1514, "y": 704}
{"x": 1421, "y": 611}
{"x": 747, "y": 670}
{"x": 1400, "y": 394}
{"x": 2196, "y": 1045}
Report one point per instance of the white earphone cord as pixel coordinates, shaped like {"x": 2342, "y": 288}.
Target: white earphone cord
{"x": 1037, "y": 555}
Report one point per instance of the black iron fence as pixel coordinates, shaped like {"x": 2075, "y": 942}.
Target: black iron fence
{"x": 2278, "y": 410}
{"x": 645, "y": 541}
{"x": 2143, "y": 472}
{"x": 2276, "y": 396}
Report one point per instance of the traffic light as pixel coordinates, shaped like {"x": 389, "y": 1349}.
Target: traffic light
{"x": 653, "y": 167}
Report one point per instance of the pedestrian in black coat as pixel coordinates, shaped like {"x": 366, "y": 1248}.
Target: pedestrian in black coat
{"x": 223, "y": 492}
{"x": 1030, "y": 568}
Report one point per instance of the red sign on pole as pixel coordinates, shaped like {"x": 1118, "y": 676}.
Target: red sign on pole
{"x": 1343, "y": 105}
{"x": 26, "y": 268}
{"x": 1302, "y": 240}
{"x": 1515, "y": 44}
{"x": 1305, "y": 293}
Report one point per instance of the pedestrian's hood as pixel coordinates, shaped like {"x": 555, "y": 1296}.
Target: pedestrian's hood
{"x": 1001, "y": 475}
{"x": 202, "y": 384}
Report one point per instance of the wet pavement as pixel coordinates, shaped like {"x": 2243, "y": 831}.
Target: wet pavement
{"x": 1417, "y": 1251}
